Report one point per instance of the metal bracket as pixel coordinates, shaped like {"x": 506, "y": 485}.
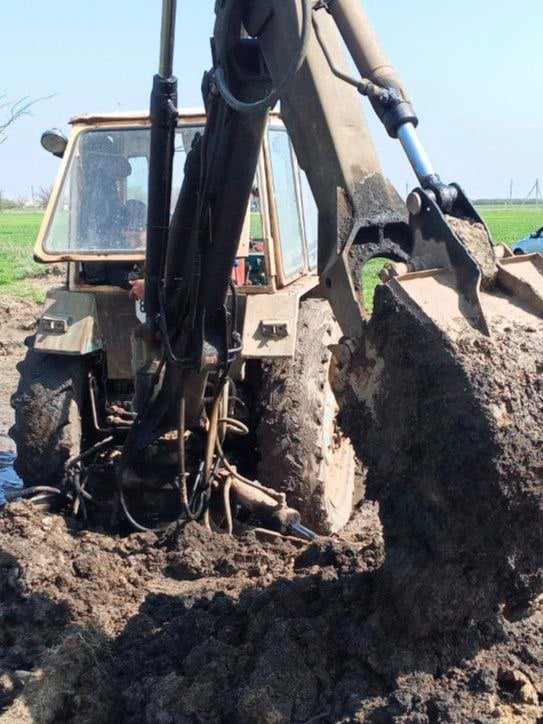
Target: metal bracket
{"x": 434, "y": 236}
{"x": 54, "y": 324}
{"x": 274, "y": 328}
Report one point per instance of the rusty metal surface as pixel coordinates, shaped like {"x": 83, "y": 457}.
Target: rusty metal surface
{"x": 270, "y": 322}
{"x": 130, "y": 117}
{"x": 433, "y": 295}
{"x": 79, "y": 315}
{"x": 117, "y": 320}
{"x": 523, "y": 277}
{"x": 364, "y": 45}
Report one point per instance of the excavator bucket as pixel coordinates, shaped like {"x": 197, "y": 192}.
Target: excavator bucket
{"x": 517, "y": 297}
{"x": 443, "y": 399}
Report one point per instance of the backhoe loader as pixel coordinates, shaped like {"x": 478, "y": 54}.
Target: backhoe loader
{"x": 439, "y": 389}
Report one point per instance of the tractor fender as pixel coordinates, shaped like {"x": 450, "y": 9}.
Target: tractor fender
{"x": 68, "y": 324}
{"x": 271, "y": 320}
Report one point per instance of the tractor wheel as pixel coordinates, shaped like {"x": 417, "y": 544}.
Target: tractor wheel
{"x": 303, "y": 452}
{"x": 47, "y": 403}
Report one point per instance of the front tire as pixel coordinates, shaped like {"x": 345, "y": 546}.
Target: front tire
{"x": 48, "y": 410}
{"x": 303, "y": 453}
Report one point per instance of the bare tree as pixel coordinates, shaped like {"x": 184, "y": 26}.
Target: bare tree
{"x": 42, "y": 196}
{"x": 11, "y": 111}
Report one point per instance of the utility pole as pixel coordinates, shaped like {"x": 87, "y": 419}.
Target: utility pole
{"x": 535, "y": 188}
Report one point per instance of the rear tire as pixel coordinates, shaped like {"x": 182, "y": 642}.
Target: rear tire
{"x": 48, "y": 407}
{"x": 303, "y": 453}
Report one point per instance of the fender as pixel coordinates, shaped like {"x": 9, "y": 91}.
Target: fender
{"x": 271, "y": 320}
{"x": 69, "y": 324}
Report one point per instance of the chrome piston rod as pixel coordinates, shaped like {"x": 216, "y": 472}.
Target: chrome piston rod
{"x": 416, "y": 153}
{"x": 167, "y": 38}
{"x": 372, "y": 62}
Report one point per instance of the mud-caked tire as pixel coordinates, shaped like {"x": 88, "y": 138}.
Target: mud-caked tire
{"x": 48, "y": 412}
{"x": 303, "y": 452}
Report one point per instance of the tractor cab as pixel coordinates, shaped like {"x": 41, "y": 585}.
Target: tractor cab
{"x": 97, "y": 215}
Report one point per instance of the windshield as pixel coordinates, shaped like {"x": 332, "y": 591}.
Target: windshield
{"x": 102, "y": 206}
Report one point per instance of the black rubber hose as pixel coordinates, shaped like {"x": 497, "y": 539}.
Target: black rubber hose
{"x": 138, "y": 526}
{"x": 271, "y": 99}
{"x": 29, "y": 492}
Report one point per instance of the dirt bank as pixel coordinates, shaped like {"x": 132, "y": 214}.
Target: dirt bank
{"x": 450, "y": 429}
{"x": 17, "y": 321}
{"x": 194, "y": 627}
{"x": 18, "y": 318}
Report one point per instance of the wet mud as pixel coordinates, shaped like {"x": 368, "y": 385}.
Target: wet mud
{"x": 451, "y": 434}
{"x": 432, "y": 617}
{"x": 191, "y": 626}
{"x": 17, "y": 321}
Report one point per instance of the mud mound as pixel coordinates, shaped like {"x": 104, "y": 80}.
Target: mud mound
{"x": 451, "y": 433}
{"x": 17, "y": 314}
{"x": 297, "y": 652}
{"x": 17, "y": 321}
{"x": 95, "y": 628}
{"x": 194, "y": 552}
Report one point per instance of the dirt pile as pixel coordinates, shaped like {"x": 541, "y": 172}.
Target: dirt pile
{"x": 451, "y": 434}
{"x": 17, "y": 321}
{"x": 95, "y": 628}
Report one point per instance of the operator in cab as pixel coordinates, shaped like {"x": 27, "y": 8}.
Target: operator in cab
{"x": 132, "y": 234}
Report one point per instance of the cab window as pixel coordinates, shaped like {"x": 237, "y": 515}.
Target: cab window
{"x": 287, "y": 202}
{"x": 105, "y": 182}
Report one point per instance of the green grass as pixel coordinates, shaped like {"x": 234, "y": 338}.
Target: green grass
{"x": 256, "y": 225}
{"x": 18, "y": 232}
{"x": 508, "y": 225}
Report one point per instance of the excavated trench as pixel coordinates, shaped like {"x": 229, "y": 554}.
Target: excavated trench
{"x": 192, "y": 626}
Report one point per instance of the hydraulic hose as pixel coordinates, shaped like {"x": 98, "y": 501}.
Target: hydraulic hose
{"x": 271, "y": 99}
{"x": 30, "y": 492}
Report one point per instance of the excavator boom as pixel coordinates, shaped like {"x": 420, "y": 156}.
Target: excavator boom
{"x": 440, "y": 389}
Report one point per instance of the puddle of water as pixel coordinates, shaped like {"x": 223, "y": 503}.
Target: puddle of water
{"x": 9, "y": 480}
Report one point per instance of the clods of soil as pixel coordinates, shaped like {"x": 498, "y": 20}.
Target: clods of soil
{"x": 193, "y": 626}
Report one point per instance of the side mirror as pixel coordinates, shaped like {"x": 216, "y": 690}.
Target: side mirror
{"x": 533, "y": 235}
{"x": 55, "y": 142}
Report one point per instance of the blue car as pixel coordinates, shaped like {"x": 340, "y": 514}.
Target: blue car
{"x": 531, "y": 244}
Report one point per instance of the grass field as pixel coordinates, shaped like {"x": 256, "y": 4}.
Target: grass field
{"x": 18, "y": 231}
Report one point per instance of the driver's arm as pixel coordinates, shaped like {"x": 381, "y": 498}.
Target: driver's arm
{"x": 137, "y": 290}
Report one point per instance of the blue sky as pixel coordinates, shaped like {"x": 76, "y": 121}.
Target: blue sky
{"x": 472, "y": 67}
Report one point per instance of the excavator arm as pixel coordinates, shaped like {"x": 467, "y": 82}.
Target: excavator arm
{"x": 439, "y": 390}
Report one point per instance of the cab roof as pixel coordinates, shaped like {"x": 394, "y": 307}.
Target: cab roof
{"x": 185, "y": 114}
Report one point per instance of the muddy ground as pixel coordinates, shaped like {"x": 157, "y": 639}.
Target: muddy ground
{"x": 17, "y": 320}
{"x": 192, "y": 626}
